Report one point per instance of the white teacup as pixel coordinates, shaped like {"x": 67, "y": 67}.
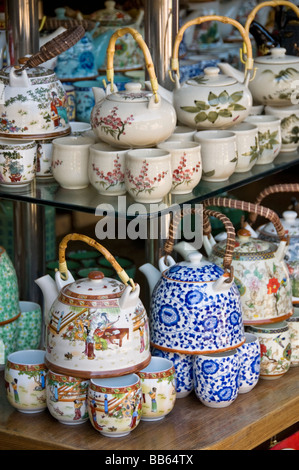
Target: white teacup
{"x": 44, "y": 159}
{"x": 269, "y": 137}
{"x": 17, "y": 162}
{"x": 185, "y": 163}
{"x": 218, "y": 153}
{"x": 182, "y": 133}
{"x": 256, "y": 109}
{"x": 289, "y": 116}
{"x": 70, "y": 161}
{"x": 79, "y": 128}
{"x": 247, "y": 146}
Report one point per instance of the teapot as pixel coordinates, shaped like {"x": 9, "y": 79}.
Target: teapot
{"x": 211, "y": 100}
{"x": 134, "y": 117}
{"x": 96, "y": 326}
{"x": 34, "y": 103}
{"x": 260, "y": 271}
{"x": 195, "y": 304}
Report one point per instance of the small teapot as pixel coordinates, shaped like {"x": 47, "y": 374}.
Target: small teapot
{"x": 96, "y": 326}
{"x": 260, "y": 271}
{"x": 133, "y": 117}
{"x": 195, "y": 304}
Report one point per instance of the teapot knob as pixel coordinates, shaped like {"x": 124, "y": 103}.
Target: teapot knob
{"x": 244, "y": 235}
{"x": 212, "y": 71}
{"x": 95, "y": 275}
{"x": 133, "y": 87}
{"x": 278, "y": 51}
{"x": 289, "y": 216}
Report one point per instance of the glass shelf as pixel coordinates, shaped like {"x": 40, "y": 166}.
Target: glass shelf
{"x": 90, "y": 201}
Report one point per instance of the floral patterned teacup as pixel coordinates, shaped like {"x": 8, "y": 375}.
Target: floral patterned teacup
{"x": 185, "y": 164}
{"x": 250, "y": 363}
{"x": 107, "y": 169}
{"x": 158, "y": 389}
{"x": 247, "y": 146}
{"x": 269, "y": 130}
{"x": 293, "y": 323}
{"x": 148, "y": 174}
{"x": 289, "y": 116}
{"x": 17, "y": 162}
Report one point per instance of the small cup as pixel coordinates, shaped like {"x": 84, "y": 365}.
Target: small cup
{"x": 182, "y": 134}
{"x": 250, "y": 363}
{"x": 79, "y": 128}
{"x": 185, "y": 164}
{"x": 219, "y": 154}
{"x": 276, "y": 350}
{"x": 115, "y": 404}
{"x": 67, "y": 398}
{"x": 158, "y": 389}
{"x": 293, "y": 323}
{"x": 107, "y": 169}
{"x": 216, "y": 378}
{"x": 29, "y": 326}
{"x": 44, "y": 154}
{"x": 247, "y": 146}
{"x": 256, "y": 109}
{"x": 70, "y": 161}
{"x": 85, "y": 100}
{"x": 148, "y": 175}
{"x": 25, "y": 380}
{"x": 71, "y": 101}
{"x": 269, "y": 137}
{"x": 289, "y": 116}
{"x": 17, "y": 162}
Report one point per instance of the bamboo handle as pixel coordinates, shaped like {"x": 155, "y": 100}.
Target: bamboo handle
{"x": 147, "y": 56}
{"x": 202, "y": 19}
{"x": 270, "y": 3}
{"x": 90, "y": 241}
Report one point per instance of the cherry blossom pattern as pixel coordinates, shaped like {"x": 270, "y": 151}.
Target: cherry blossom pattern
{"x": 111, "y": 178}
{"x": 182, "y": 174}
{"x": 112, "y": 124}
{"x": 56, "y": 163}
{"x": 142, "y": 182}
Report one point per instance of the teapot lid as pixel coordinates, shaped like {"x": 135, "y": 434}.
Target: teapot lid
{"x": 110, "y": 16}
{"x": 247, "y": 248}
{"x": 32, "y": 73}
{"x": 195, "y": 271}
{"x": 290, "y": 223}
{"x": 133, "y": 92}
{"x": 212, "y": 77}
{"x": 276, "y": 57}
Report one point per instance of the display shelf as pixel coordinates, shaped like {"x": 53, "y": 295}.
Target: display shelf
{"x": 254, "y": 417}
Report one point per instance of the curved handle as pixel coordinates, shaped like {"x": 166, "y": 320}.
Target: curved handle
{"x": 202, "y": 19}
{"x": 147, "y": 56}
{"x": 250, "y": 207}
{"x": 276, "y": 188}
{"x": 270, "y": 3}
{"x": 90, "y": 241}
{"x": 231, "y": 235}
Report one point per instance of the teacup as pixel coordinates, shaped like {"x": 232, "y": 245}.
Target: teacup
{"x": 182, "y": 134}
{"x": 269, "y": 137}
{"x": 247, "y": 146}
{"x": 115, "y": 404}
{"x": 216, "y": 378}
{"x": 289, "y": 126}
{"x": 25, "y": 380}
{"x": 293, "y": 323}
{"x": 29, "y": 326}
{"x": 250, "y": 363}
{"x": 17, "y": 162}
{"x": 256, "y": 109}
{"x": 79, "y": 128}
{"x": 70, "y": 161}
{"x": 158, "y": 389}
{"x": 185, "y": 164}
{"x": 71, "y": 101}
{"x": 67, "y": 398}
{"x": 148, "y": 175}
{"x": 44, "y": 153}
{"x": 219, "y": 154}
{"x": 106, "y": 169}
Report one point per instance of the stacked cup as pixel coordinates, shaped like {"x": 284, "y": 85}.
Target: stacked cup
{"x": 289, "y": 116}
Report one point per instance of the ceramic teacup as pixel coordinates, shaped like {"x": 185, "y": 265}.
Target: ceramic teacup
{"x": 44, "y": 153}
{"x": 106, "y": 169}
{"x": 250, "y": 363}
{"x": 115, "y": 404}
{"x": 293, "y": 323}
{"x": 70, "y": 161}
{"x": 216, "y": 378}
{"x": 29, "y": 326}
{"x": 269, "y": 137}
{"x": 182, "y": 134}
{"x": 185, "y": 164}
{"x": 247, "y": 146}
{"x": 67, "y": 398}
{"x": 158, "y": 389}
{"x": 256, "y": 109}
{"x": 289, "y": 116}
{"x": 219, "y": 154}
{"x": 148, "y": 175}
{"x": 25, "y": 380}
{"x": 276, "y": 349}
{"x": 79, "y": 128}
{"x": 17, "y": 162}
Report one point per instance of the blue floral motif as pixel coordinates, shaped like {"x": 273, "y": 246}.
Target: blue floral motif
{"x": 169, "y": 315}
{"x": 225, "y": 394}
{"x": 234, "y": 318}
{"x": 194, "y": 297}
{"x": 209, "y": 367}
{"x": 210, "y": 323}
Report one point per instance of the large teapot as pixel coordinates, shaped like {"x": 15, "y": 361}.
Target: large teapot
{"x": 34, "y": 103}
{"x": 260, "y": 271}
{"x": 211, "y": 100}
{"x": 96, "y": 326}
{"x": 134, "y": 117}
{"x": 195, "y": 304}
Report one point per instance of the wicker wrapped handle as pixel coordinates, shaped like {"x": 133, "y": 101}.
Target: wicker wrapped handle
{"x": 91, "y": 242}
{"x": 231, "y": 234}
{"x": 147, "y": 56}
{"x": 276, "y": 188}
{"x": 270, "y": 3}
{"x": 202, "y": 19}
{"x": 251, "y": 208}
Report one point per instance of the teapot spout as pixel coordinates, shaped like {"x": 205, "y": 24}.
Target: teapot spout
{"x": 50, "y": 293}
{"x": 152, "y": 275}
{"x": 98, "y": 93}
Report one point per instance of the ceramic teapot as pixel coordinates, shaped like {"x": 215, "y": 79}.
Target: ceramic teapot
{"x": 133, "y": 117}
{"x": 260, "y": 271}
{"x": 96, "y": 326}
{"x": 34, "y": 103}
{"x": 274, "y": 74}
{"x": 211, "y": 100}
{"x": 195, "y": 304}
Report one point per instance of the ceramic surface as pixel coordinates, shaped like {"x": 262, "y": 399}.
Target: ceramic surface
{"x": 115, "y": 405}
{"x": 250, "y": 363}
{"x": 71, "y": 101}
{"x": 289, "y": 126}
{"x": 29, "y": 325}
{"x": 269, "y": 132}
{"x": 247, "y": 146}
{"x": 9, "y": 289}
{"x": 44, "y": 153}
{"x": 182, "y": 134}
{"x": 293, "y": 324}
{"x": 79, "y": 128}
{"x": 17, "y": 162}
